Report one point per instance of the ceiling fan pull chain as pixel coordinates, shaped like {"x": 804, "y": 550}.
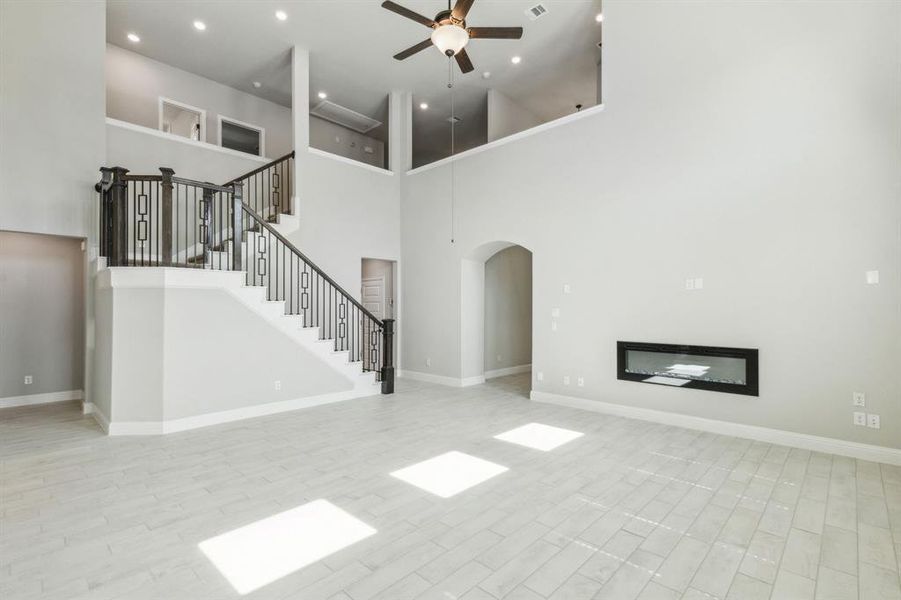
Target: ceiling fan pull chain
{"x": 453, "y": 124}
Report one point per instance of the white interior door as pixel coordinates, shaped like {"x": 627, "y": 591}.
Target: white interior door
{"x": 373, "y": 296}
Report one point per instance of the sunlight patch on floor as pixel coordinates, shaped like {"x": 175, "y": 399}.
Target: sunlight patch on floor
{"x": 266, "y": 550}
{"x": 449, "y": 474}
{"x": 539, "y": 436}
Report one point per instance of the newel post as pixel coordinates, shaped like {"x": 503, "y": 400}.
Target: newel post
{"x": 166, "y": 216}
{"x": 237, "y": 226}
{"x": 118, "y": 218}
{"x": 388, "y": 356}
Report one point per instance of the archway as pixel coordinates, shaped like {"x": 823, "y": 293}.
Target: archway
{"x": 505, "y": 299}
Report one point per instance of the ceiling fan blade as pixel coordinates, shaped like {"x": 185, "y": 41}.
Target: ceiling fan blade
{"x": 413, "y": 49}
{"x": 496, "y": 33}
{"x": 461, "y": 9}
{"x": 406, "y": 12}
{"x": 463, "y": 61}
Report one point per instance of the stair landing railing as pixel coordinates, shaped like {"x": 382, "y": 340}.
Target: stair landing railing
{"x": 169, "y": 221}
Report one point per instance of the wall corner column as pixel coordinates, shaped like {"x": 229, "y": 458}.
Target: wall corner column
{"x": 300, "y": 116}
{"x": 400, "y": 131}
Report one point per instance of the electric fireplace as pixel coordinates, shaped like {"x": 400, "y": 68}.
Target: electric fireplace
{"x": 731, "y": 370}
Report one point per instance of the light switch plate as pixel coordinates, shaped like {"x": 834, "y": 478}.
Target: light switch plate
{"x": 566, "y": 380}
{"x": 860, "y": 399}
{"x": 872, "y": 277}
{"x": 539, "y": 376}
{"x": 873, "y": 421}
{"x": 699, "y": 283}
{"x": 553, "y": 325}
{"x": 689, "y": 284}
{"x": 555, "y": 312}
{"x": 860, "y": 419}
{"x": 567, "y": 289}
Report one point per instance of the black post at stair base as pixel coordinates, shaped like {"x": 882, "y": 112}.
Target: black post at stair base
{"x": 237, "y": 226}
{"x": 118, "y": 219}
{"x": 388, "y": 356}
{"x": 166, "y": 216}
{"x": 105, "y": 222}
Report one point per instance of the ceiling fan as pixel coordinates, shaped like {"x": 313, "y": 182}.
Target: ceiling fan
{"x": 450, "y": 34}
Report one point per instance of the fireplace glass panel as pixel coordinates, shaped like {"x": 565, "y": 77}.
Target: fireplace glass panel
{"x": 720, "y": 369}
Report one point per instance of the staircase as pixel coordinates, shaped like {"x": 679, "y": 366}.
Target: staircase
{"x": 241, "y": 226}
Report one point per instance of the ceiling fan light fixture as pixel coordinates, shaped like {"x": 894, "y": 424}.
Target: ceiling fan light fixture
{"x": 450, "y": 39}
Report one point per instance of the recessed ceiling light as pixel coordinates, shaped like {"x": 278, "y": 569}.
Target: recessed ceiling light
{"x": 423, "y": 105}
{"x": 133, "y": 37}
{"x": 281, "y": 15}
{"x": 257, "y": 84}
{"x": 599, "y": 17}
{"x": 516, "y": 60}
{"x": 486, "y": 74}
{"x": 322, "y": 95}
{"x": 199, "y": 25}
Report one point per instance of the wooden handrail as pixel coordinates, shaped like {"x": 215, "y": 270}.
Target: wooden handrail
{"x": 261, "y": 169}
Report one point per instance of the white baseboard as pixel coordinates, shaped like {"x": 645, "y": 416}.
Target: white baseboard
{"x": 89, "y": 408}
{"x": 47, "y": 398}
{"x": 815, "y": 443}
{"x": 518, "y": 369}
{"x": 442, "y": 380}
{"x": 225, "y": 416}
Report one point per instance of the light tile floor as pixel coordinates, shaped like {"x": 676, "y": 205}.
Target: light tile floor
{"x": 629, "y": 510}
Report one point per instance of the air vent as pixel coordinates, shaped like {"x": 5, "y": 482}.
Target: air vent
{"x": 537, "y": 11}
{"x": 344, "y": 116}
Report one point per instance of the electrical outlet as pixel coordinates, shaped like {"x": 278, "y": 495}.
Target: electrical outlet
{"x": 567, "y": 289}
{"x": 566, "y": 380}
{"x": 872, "y": 277}
{"x": 428, "y": 362}
{"x": 553, "y": 325}
{"x": 689, "y": 284}
{"x": 539, "y": 376}
{"x": 873, "y": 421}
{"x": 555, "y": 312}
{"x": 278, "y": 385}
{"x": 860, "y": 399}
{"x": 29, "y": 380}
{"x": 860, "y": 419}
{"x": 580, "y": 382}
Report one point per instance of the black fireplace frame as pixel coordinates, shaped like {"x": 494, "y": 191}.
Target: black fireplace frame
{"x": 750, "y": 355}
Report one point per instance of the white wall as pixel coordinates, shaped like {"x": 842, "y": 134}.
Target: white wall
{"x": 331, "y": 137}
{"x": 508, "y": 309}
{"x": 506, "y": 117}
{"x": 51, "y": 114}
{"x": 143, "y": 151}
{"x": 752, "y": 144}
{"x": 52, "y": 139}
{"x": 41, "y": 314}
{"x": 347, "y": 212}
{"x": 134, "y": 84}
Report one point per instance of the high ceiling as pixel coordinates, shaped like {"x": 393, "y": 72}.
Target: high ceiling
{"x": 351, "y": 44}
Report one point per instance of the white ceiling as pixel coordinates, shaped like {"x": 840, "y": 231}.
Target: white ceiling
{"x": 351, "y": 44}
